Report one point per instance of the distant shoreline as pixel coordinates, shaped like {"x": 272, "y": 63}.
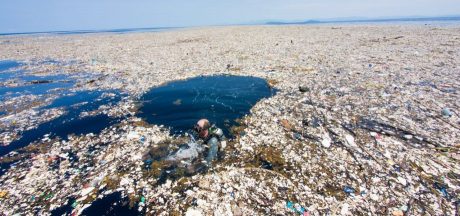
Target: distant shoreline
{"x": 124, "y": 30}
{"x": 383, "y": 20}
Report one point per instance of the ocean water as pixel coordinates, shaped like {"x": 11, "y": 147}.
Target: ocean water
{"x": 70, "y": 122}
{"x": 110, "y": 205}
{"x": 8, "y": 64}
{"x": 15, "y": 82}
{"x": 58, "y": 86}
{"x": 33, "y": 89}
{"x": 179, "y": 105}
{"x": 77, "y": 32}
{"x": 221, "y": 99}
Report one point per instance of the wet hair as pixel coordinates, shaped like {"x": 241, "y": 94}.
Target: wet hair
{"x": 206, "y": 125}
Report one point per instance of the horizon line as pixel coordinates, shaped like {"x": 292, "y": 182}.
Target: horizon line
{"x": 260, "y": 22}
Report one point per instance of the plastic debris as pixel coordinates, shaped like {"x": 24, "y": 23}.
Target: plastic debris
{"x": 404, "y": 208}
{"x": 345, "y": 209}
{"x": 398, "y": 213}
{"x": 349, "y": 190}
{"x": 408, "y": 136}
{"x": 193, "y": 212}
{"x": 49, "y": 196}
{"x": 297, "y": 136}
{"x": 304, "y": 89}
{"x": 442, "y": 189}
{"x": 285, "y": 123}
{"x": 296, "y": 208}
{"x": 86, "y": 191}
{"x": 380, "y": 128}
{"x": 326, "y": 142}
{"x": 446, "y": 112}
{"x": 402, "y": 180}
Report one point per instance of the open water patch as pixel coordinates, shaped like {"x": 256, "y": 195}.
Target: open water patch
{"x": 15, "y": 83}
{"x": 8, "y": 64}
{"x": 112, "y": 204}
{"x": 23, "y": 92}
{"x": 70, "y": 122}
{"x": 221, "y": 99}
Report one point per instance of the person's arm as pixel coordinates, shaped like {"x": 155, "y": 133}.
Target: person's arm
{"x": 213, "y": 144}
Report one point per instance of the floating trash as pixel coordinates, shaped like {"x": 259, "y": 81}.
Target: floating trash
{"x": 349, "y": 190}
{"x": 446, "y": 112}
{"x": 383, "y": 131}
{"x": 296, "y": 208}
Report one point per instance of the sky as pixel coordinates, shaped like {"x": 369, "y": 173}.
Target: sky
{"x": 61, "y": 15}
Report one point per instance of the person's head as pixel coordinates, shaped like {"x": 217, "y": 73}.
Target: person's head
{"x": 202, "y": 127}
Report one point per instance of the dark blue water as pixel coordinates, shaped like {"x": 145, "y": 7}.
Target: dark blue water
{"x": 65, "y": 209}
{"x": 112, "y": 205}
{"x": 70, "y": 122}
{"x": 56, "y": 86}
{"x": 221, "y": 99}
{"x": 8, "y": 64}
{"x": 28, "y": 83}
{"x": 4, "y": 167}
{"x": 21, "y": 76}
{"x": 118, "y": 31}
{"x": 33, "y": 89}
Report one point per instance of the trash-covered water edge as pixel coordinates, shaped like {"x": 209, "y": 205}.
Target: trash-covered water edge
{"x": 364, "y": 121}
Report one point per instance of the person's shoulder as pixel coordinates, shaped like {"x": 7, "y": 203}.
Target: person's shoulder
{"x": 219, "y": 132}
{"x": 213, "y": 127}
{"x": 216, "y": 131}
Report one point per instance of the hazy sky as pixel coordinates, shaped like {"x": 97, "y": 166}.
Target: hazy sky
{"x": 48, "y": 15}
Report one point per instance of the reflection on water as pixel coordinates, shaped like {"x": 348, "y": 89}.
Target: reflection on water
{"x": 221, "y": 99}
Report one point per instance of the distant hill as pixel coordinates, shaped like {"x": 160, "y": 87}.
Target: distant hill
{"x": 362, "y": 20}
{"x": 289, "y": 23}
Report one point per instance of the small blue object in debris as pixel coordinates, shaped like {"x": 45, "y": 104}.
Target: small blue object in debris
{"x": 148, "y": 161}
{"x": 299, "y": 208}
{"x": 348, "y": 190}
{"x": 297, "y": 136}
{"x": 446, "y": 112}
{"x": 142, "y": 139}
{"x": 295, "y": 207}
{"x": 444, "y": 192}
{"x": 443, "y": 189}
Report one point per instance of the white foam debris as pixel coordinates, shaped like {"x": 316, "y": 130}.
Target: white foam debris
{"x": 364, "y": 121}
